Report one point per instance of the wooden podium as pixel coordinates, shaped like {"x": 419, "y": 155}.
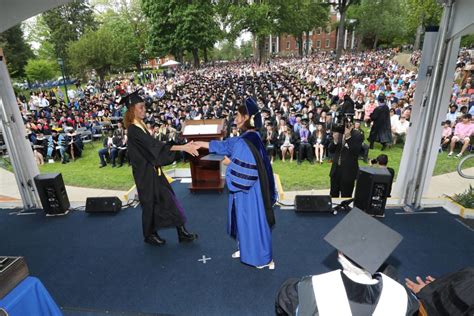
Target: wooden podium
{"x": 205, "y": 174}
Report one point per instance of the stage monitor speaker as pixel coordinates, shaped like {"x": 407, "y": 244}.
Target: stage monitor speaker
{"x": 313, "y": 203}
{"x": 372, "y": 190}
{"x": 52, "y": 193}
{"x": 103, "y": 204}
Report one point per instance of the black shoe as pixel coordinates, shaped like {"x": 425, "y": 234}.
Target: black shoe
{"x": 102, "y": 165}
{"x": 155, "y": 239}
{"x": 184, "y": 235}
{"x": 120, "y": 165}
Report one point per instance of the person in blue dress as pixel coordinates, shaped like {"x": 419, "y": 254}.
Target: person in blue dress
{"x": 249, "y": 178}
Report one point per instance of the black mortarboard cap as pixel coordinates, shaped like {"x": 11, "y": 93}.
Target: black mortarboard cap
{"x": 131, "y": 99}
{"x": 364, "y": 239}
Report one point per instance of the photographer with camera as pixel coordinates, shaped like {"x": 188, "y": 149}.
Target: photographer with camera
{"x": 345, "y": 147}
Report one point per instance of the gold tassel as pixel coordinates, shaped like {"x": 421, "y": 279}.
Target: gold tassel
{"x": 252, "y": 121}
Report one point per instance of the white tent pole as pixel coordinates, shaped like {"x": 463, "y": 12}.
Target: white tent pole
{"x": 18, "y": 146}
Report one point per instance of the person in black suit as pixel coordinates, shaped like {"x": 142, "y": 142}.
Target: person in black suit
{"x": 347, "y": 106}
{"x": 345, "y": 147}
{"x": 382, "y": 162}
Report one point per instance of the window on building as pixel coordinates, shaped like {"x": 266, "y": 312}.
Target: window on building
{"x": 310, "y": 33}
{"x": 318, "y": 44}
{"x": 318, "y": 31}
{"x": 297, "y": 44}
{"x": 328, "y": 30}
{"x": 328, "y": 43}
{"x": 288, "y": 45}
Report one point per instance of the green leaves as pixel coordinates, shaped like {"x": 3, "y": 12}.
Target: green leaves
{"x": 67, "y": 23}
{"x": 41, "y": 70}
{"x": 177, "y": 26}
{"x": 16, "y": 50}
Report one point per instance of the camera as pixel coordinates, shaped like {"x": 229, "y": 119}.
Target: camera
{"x": 342, "y": 121}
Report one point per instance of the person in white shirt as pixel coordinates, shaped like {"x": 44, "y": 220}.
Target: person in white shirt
{"x": 43, "y": 102}
{"x": 400, "y": 129}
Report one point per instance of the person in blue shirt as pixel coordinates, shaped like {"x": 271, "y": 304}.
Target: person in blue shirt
{"x": 249, "y": 178}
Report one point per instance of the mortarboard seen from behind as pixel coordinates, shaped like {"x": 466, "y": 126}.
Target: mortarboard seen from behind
{"x": 364, "y": 240}
{"x": 131, "y": 99}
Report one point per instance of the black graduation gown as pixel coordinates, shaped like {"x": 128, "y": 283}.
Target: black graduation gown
{"x": 381, "y": 131}
{"x": 344, "y": 175}
{"x": 362, "y": 297}
{"x": 157, "y": 198}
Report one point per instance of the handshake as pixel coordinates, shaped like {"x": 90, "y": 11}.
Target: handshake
{"x": 192, "y": 147}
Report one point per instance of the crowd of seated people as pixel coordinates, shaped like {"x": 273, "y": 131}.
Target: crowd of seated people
{"x": 300, "y": 100}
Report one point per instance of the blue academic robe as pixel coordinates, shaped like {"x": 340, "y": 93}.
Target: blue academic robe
{"x": 247, "y": 221}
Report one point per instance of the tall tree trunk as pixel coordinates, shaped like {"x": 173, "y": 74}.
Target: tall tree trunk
{"x": 306, "y": 52}
{"x": 139, "y": 66}
{"x": 340, "y": 32}
{"x": 419, "y": 31}
{"x": 376, "y": 41}
{"x": 196, "y": 57}
{"x": 176, "y": 56}
{"x": 205, "y": 55}
{"x": 300, "y": 46}
{"x": 261, "y": 49}
{"x": 101, "y": 74}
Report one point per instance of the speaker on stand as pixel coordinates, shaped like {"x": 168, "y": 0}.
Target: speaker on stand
{"x": 52, "y": 193}
{"x": 372, "y": 190}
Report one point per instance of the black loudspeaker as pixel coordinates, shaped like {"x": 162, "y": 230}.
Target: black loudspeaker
{"x": 372, "y": 190}
{"x": 313, "y": 203}
{"x": 103, "y": 205}
{"x": 52, "y": 193}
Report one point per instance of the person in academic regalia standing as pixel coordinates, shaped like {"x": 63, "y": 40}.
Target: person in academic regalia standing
{"x": 249, "y": 178}
{"x": 160, "y": 206}
{"x": 381, "y": 130}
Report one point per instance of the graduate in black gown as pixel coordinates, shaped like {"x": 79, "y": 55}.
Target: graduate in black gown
{"x": 358, "y": 289}
{"x": 160, "y": 205}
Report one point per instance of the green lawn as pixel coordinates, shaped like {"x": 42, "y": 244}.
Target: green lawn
{"x": 85, "y": 171}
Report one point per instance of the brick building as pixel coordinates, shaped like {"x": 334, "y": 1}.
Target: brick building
{"x": 319, "y": 39}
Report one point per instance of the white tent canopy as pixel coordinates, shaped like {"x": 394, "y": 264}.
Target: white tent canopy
{"x": 170, "y": 63}
{"x": 13, "y": 12}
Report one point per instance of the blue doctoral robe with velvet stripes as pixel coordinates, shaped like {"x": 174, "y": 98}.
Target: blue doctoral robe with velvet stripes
{"x": 247, "y": 221}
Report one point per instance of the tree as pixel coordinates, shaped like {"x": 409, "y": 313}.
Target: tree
{"x": 112, "y": 46}
{"x": 341, "y": 7}
{"x": 38, "y": 32}
{"x": 131, "y": 13}
{"x": 467, "y": 41}
{"x": 419, "y": 14}
{"x": 299, "y": 17}
{"x": 41, "y": 70}
{"x": 259, "y": 17}
{"x": 197, "y": 28}
{"x": 177, "y": 26}
{"x": 16, "y": 50}
{"x": 378, "y": 20}
{"x": 68, "y": 23}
